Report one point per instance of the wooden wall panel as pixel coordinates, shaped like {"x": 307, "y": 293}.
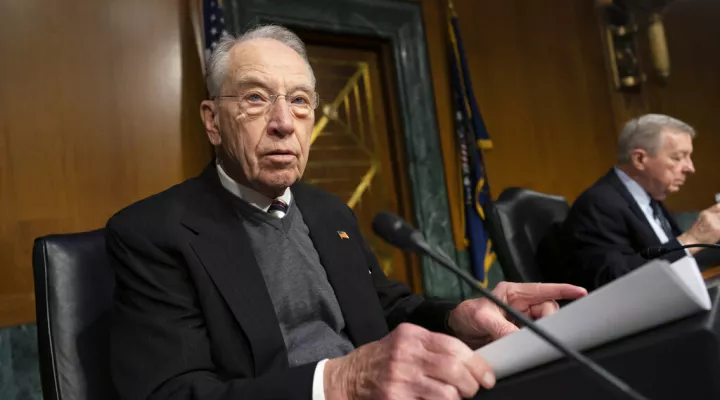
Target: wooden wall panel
{"x": 98, "y": 108}
{"x": 692, "y": 93}
{"x": 539, "y": 77}
{"x": 541, "y": 80}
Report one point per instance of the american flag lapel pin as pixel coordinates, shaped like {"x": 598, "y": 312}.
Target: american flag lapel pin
{"x": 343, "y": 235}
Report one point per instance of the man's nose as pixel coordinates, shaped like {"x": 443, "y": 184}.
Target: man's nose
{"x": 689, "y": 167}
{"x": 281, "y": 119}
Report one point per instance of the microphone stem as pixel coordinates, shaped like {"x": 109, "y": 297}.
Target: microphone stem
{"x": 655, "y": 252}
{"x": 690, "y": 246}
{"x": 609, "y": 379}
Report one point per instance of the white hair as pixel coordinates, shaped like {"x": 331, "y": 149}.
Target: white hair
{"x": 645, "y": 132}
{"x": 217, "y": 64}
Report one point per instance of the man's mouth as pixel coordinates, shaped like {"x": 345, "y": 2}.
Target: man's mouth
{"x": 281, "y": 156}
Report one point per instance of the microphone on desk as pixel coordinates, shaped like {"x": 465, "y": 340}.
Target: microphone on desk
{"x": 401, "y": 234}
{"x": 652, "y": 253}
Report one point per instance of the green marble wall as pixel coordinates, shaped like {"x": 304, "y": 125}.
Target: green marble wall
{"x": 19, "y": 372}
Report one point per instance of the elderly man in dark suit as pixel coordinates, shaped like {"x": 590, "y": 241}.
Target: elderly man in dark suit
{"x": 622, "y": 214}
{"x": 244, "y": 283}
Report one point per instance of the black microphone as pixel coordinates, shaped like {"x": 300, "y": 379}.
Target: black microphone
{"x": 399, "y": 233}
{"x": 652, "y": 253}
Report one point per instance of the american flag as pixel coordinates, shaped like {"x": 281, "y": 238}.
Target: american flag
{"x": 213, "y": 23}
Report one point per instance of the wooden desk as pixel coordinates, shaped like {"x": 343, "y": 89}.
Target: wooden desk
{"x": 711, "y": 273}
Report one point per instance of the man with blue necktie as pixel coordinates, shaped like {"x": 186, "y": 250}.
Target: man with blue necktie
{"x": 622, "y": 213}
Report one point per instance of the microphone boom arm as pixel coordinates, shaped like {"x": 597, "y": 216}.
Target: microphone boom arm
{"x": 652, "y": 253}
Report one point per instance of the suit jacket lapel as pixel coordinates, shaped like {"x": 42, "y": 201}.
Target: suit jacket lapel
{"x": 223, "y": 248}
{"x": 648, "y": 231}
{"x": 345, "y": 266}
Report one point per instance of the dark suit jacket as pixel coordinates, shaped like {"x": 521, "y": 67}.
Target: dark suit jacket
{"x": 602, "y": 237}
{"x": 193, "y": 318}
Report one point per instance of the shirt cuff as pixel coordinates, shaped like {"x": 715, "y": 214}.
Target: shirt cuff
{"x": 318, "y": 387}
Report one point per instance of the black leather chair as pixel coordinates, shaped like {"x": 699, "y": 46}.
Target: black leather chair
{"x": 517, "y": 222}
{"x": 74, "y": 286}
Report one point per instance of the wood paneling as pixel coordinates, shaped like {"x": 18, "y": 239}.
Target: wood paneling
{"x": 538, "y": 72}
{"x": 541, "y": 80}
{"x": 692, "y": 94}
{"x": 98, "y": 108}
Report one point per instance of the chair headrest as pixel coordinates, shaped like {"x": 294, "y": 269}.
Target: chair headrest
{"x": 74, "y": 287}
{"x": 519, "y": 220}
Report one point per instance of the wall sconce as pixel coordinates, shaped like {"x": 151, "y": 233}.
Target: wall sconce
{"x": 620, "y": 32}
{"x": 658, "y": 47}
{"x": 620, "y": 26}
{"x": 624, "y": 61}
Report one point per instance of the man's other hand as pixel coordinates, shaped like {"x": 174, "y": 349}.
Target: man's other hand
{"x": 409, "y": 363}
{"x": 706, "y": 229}
{"x": 478, "y": 321}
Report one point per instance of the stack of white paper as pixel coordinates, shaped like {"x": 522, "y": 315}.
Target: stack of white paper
{"x": 652, "y": 295}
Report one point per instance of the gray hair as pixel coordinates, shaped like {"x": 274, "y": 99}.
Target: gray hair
{"x": 217, "y": 64}
{"x": 645, "y": 132}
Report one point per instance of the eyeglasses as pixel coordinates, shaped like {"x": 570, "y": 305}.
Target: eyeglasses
{"x": 257, "y": 102}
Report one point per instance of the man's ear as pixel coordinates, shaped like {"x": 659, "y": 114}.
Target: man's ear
{"x": 638, "y": 158}
{"x": 208, "y": 113}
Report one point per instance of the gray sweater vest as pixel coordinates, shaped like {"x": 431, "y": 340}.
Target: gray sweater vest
{"x": 310, "y": 318}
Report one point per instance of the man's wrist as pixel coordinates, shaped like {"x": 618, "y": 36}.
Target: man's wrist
{"x": 318, "y": 387}
{"x": 687, "y": 239}
{"x": 333, "y": 386}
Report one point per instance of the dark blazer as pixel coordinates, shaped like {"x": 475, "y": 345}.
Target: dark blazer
{"x": 193, "y": 318}
{"x": 602, "y": 237}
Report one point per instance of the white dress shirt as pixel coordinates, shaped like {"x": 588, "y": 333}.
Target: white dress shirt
{"x": 642, "y": 198}
{"x": 252, "y": 196}
{"x": 263, "y": 202}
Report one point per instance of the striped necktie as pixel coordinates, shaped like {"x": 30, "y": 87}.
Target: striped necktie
{"x": 660, "y": 217}
{"x": 278, "y": 208}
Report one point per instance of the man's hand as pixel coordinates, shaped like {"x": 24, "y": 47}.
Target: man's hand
{"x": 479, "y": 321}
{"x": 705, "y": 230}
{"x": 409, "y": 363}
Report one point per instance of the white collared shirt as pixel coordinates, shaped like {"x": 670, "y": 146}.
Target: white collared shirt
{"x": 642, "y": 198}
{"x": 263, "y": 202}
{"x": 252, "y": 196}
